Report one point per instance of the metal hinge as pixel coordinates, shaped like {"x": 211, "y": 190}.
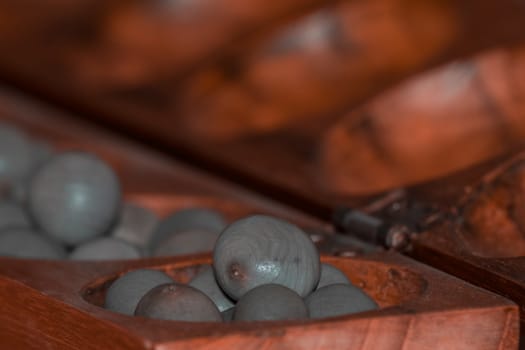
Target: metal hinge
{"x": 392, "y": 227}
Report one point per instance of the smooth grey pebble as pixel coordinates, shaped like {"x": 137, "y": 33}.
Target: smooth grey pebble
{"x": 331, "y": 275}
{"x": 20, "y": 187}
{"x": 227, "y": 315}
{"x": 75, "y": 197}
{"x": 337, "y": 300}
{"x": 29, "y": 244}
{"x": 178, "y": 302}
{"x": 205, "y": 282}
{"x": 16, "y": 154}
{"x": 186, "y": 220}
{"x": 136, "y": 224}
{"x": 105, "y": 248}
{"x": 187, "y": 242}
{"x": 261, "y": 249}
{"x": 270, "y": 302}
{"x": 13, "y": 215}
{"x": 125, "y": 292}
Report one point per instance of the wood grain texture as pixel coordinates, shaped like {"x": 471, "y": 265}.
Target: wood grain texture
{"x": 133, "y": 42}
{"x": 418, "y": 310}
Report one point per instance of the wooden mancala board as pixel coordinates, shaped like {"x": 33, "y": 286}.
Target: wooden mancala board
{"x": 275, "y": 114}
{"x": 57, "y": 304}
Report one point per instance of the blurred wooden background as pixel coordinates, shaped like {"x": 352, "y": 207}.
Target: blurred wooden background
{"x": 318, "y": 103}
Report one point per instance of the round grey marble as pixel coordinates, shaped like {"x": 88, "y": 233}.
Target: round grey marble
{"x": 125, "y": 292}
{"x": 187, "y": 220}
{"x": 20, "y": 187}
{"x": 135, "y": 225}
{"x": 16, "y": 154}
{"x": 13, "y": 215}
{"x": 259, "y": 250}
{"x": 178, "y": 302}
{"x": 187, "y": 242}
{"x": 227, "y": 315}
{"x": 331, "y": 275}
{"x": 205, "y": 282}
{"x": 337, "y": 300}
{"x": 42, "y": 152}
{"x": 270, "y": 302}
{"x": 75, "y": 197}
{"x": 25, "y": 243}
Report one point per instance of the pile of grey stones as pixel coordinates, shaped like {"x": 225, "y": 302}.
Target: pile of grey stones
{"x": 68, "y": 205}
{"x": 264, "y": 269}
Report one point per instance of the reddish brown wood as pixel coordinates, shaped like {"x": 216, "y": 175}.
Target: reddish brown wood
{"x": 48, "y": 322}
{"x": 430, "y": 126}
{"x": 418, "y": 311}
{"x": 408, "y": 135}
{"x": 124, "y": 41}
{"x": 129, "y": 43}
{"x": 260, "y": 92}
{"x": 359, "y": 49}
{"x": 482, "y": 239}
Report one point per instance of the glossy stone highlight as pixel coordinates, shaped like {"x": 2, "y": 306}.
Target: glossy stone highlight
{"x": 259, "y": 250}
